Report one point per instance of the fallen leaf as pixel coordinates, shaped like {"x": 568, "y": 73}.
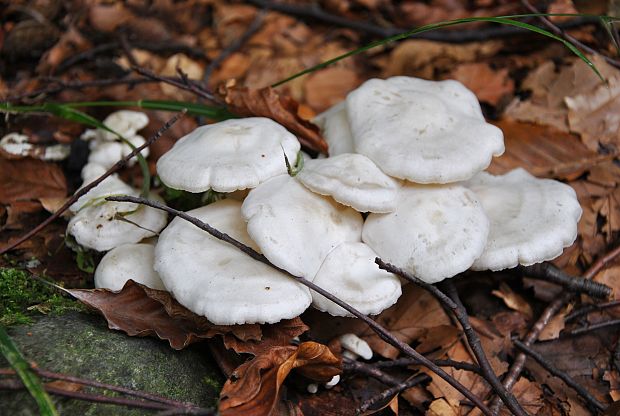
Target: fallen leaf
{"x": 273, "y": 335}
{"x": 141, "y": 311}
{"x": 553, "y": 328}
{"x": 65, "y": 385}
{"x": 613, "y": 379}
{"x": 513, "y": 300}
{"x": 265, "y": 102}
{"x": 70, "y": 43}
{"x": 440, "y": 407}
{"x": 329, "y": 86}
{"x": 254, "y": 387}
{"x": 489, "y": 85}
{"x": 30, "y": 179}
{"x": 529, "y": 395}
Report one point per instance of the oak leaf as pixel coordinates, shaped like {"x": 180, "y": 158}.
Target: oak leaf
{"x": 29, "y": 179}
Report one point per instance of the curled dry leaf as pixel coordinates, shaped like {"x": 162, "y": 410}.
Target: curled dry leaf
{"x": 273, "y": 335}
{"x": 266, "y": 102}
{"x": 29, "y": 179}
{"x": 253, "y": 388}
{"x": 140, "y": 311}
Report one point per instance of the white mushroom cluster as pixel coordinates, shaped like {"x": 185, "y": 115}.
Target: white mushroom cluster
{"x": 407, "y": 153}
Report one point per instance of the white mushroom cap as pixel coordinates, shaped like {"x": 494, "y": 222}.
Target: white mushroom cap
{"x": 356, "y": 345}
{"x": 435, "y": 232}
{"x": 214, "y": 279}
{"x": 532, "y": 220}
{"x": 124, "y": 122}
{"x": 92, "y": 171}
{"x": 107, "y": 153}
{"x": 349, "y": 272}
{"x": 296, "y": 228}
{"x": 334, "y": 126}
{"x": 422, "y": 131}
{"x": 227, "y": 156}
{"x": 129, "y": 261}
{"x": 95, "y": 226}
{"x": 353, "y": 180}
{"x": 111, "y": 185}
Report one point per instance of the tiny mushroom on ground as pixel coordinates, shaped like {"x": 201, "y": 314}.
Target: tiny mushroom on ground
{"x": 128, "y": 261}
{"x": 354, "y": 347}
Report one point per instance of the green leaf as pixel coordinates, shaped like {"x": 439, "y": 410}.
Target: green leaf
{"x": 10, "y": 351}
{"x": 505, "y": 20}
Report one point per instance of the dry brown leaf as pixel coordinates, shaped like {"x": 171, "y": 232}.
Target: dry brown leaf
{"x": 422, "y": 58}
{"x": 141, "y": 311}
{"x": 440, "y": 407}
{"x": 529, "y": 395}
{"x": 489, "y": 85}
{"x": 266, "y": 102}
{"x": 329, "y": 86}
{"x": 613, "y": 379}
{"x": 30, "y": 179}
{"x": 513, "y": 300}
{"x": 273, "y": 335}
{"x": 65, "y": 385}
{"x": 561, "y": 7}
{"x": 416, "y": 314}
{"x": 254, "y": 387}
{"x": 192, "y": 69}
{"x": 70, "y": 43}
{"x": 544, "y": 151}
{"x": 553, "y": 328}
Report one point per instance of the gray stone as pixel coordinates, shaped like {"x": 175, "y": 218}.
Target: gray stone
{"x": 80, "y": 344}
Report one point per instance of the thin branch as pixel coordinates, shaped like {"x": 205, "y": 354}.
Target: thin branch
{"x": 453, "y": 302}
{"x": 382, "y": 332}
{"x": 82, "y": 191}
{"x": 594, "y": 327}
{"x": 591, "y": 308}
{"x": 590, "y": 399}
{"x": 391, "y": 392}
{"x": 369, "y": 370}
{"x": 179, "y": 82}
{"x": 404, "y": 362}
{"x": 548, "y": 272}
{"x": 235, "y": 45}
{"x": 313, "y": 11}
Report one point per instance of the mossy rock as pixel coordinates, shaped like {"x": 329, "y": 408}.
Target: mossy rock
{"x": 80, "y": 344}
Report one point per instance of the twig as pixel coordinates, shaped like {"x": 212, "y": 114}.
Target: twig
{"x": 182, "y": 83}
{"x": 383, "y": 333}
{"x": 550, "y": 273}
{"x": 182, "y": 412}
{"x": 403, "y": 362}
{"x": 16, "y": 384}
{"x": 558, "y": 31}
{"x": 111, "y": 387}
{"x": 453, "y": 36}
{"x": 235, "y": 45}
{"x": 594, "y": 327}
{"x": 369, "y": 370}
{"x": 82, "y": 191}
{"x": 549, "y": 312}
{"x": 591, "y": 400}
{"x": 391, "y": 392}
{"x": 591, "y": 308}
{"x": 453, "y": 302}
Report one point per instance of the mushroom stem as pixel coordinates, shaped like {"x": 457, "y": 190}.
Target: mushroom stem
{"x": 452, "y": 301}
{"x": 382, "y": 332}
{"x": 84, "y": 190}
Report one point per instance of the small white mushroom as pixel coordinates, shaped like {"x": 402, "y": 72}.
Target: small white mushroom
{"x": 92, "y": 171}
{"x": 96, "y": 225}
{"x": 355, "y": 347}
{"x": 312, "y": 388}
{"x": 214, "y": 279}
{"x": 111, "y": 185}
{"x": 227, "y": 156}
{"x": 129, "y": 261}
{"x": 296, "y": 228}
{"x": 18, "y": 145}
{"x": 124, "y": 122}
{"x": 532, "y": 220}
{"x": 333, "y": 382}
{"x": 334, "y": 126}
{"x": 353, "y": 180}
{"x": 349, "y": 272}
{"x": 106, "y": 153}
{"x": 435, "y": 232}
{"x": 422, "y": 131}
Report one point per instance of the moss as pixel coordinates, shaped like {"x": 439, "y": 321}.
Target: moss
{"x": 21, "y": 297}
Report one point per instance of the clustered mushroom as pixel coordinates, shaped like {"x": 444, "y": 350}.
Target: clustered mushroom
{"x": 404, "y": 182}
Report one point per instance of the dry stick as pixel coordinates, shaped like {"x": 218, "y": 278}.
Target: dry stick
{"x": 182, "y": 83}
{"x": 111, "y": 387}
{"x": 235, "y": 45}
{"x": 550, "y": 273}
{"x": 82, "y": 191}
{"x": 369, "y": 370}
{"x": 453, "y": 36}
{"x": 404, "y": 362}
{"x": 181, "y": 412}
{"x": 405, "y": 385}
{"x": 16, "y": 384}
{"x": 383, "y": 333}
{"x": 561, "y": 375}
{"x": 550, "y": 311}
{"x": 591, "y": 308}
{"x": 594, "y": 327}
{"x": 559, "y": 32}
{"x": 452, "y": 301}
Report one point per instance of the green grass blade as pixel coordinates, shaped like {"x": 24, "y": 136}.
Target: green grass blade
{"x": 10, "y": 351}
{"x": 506, "y": 20}
{"x": 196, "y": 109}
